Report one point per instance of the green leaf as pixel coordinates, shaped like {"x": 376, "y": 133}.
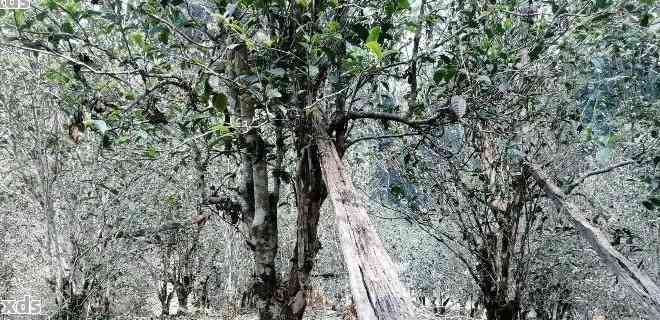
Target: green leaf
{"x": 648, "y": 205}
{"x": 646, "y": 19}
{"x": 589, "y": 133}
{"x": 67, "y": 27}
{"x": 375, "y": 49}
{"x": 72, "y": 7}
{"x": 612, "y": 139}
{"x": 122, "y": 140}
{"x": 221, "y": 128}
{"x": 601, "y": 4}
{"x": 220, "y": 102}
{"x": 137, "y": 38}
{"x": 41, "y": 16}
{"x": 507, "y": 24}
{"x": 151, "y": 152}
{"x": 172, "y": 200}
{"x": 333, "y": 26}
{"x": 374, "y": 34}
{"x": 394, "y": 6}
{"x": 164, "y": 36}
{"x": 57, "y": 76}
{"x": 397, "y": 190}
{"x": 19, "y": 17}
{"x": 446, "y": 73}
{"x": 51, "y": 4}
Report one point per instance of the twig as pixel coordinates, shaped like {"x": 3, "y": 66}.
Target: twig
{"x": 72, "y": 60}
{"x": 174, "y": 29}
{"x": 581, "y": 179}
{"x": 350, "y": 143}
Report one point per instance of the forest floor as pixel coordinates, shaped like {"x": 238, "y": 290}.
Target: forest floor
{"x": 328, "y": 314}
{"x": 311, "y": 315}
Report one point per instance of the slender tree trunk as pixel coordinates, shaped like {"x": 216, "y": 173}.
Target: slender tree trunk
{"x": 310, "y": 193}
{"x": 164, "y": 297}
{"x": 105, "y": 303}
{"x": 259, "y": 215}
{"x": 182, "y": 293}
{"x": 637, "y": 280}
{"x": 202, "y": 300}
{"x": 263, "y": 234}
{"x": 377, "y": 291}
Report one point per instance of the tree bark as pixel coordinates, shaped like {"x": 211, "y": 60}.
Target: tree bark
{"x": 375, "y": 286}
{"x": 310, "y": 194}
{"x": 259, "y": 213}
{"x": 182, "y": 292}
{"x": 263, "y": 234}
{"x": 637, "y": 280}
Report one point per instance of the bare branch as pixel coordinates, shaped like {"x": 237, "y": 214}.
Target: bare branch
{"x": 350, "y": 143}
{"x": 65, "y": 57}
{"x": 444, "y": 113}
{"x": 581, "y": 179}
{"x": 174, "y": 29}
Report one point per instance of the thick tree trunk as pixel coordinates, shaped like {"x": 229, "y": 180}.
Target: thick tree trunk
{"x": 310, "y": 193}
{"x": 637, "y": 280}
{"x": 377, "y": 291}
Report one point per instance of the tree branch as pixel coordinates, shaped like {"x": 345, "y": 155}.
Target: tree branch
{"x": 637, "y": 280}
{"x": 350, "y": 143}
{"x": 581, "y": 179}
{"x": 444, "y": 113}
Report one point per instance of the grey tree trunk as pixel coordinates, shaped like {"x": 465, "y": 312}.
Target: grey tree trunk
{"x": 264, "y": 236}
{"x": 258, "y": 214}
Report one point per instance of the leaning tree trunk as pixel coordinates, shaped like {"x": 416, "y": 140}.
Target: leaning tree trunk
{"x": 636, "y": 279}
{"x": 377, "y": 292}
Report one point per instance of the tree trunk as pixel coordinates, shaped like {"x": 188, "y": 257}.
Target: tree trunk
{"x": 202, "y": 300}
{"x": 377, "y": 291}
{"x": 259, "y": 214}
{"x": 182, "y": 293}
{"x": 637, "y": 280}
{"x": 263, "y": 234}
{"x": 164, "y": 297}
{"x": 310, "y": 193}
